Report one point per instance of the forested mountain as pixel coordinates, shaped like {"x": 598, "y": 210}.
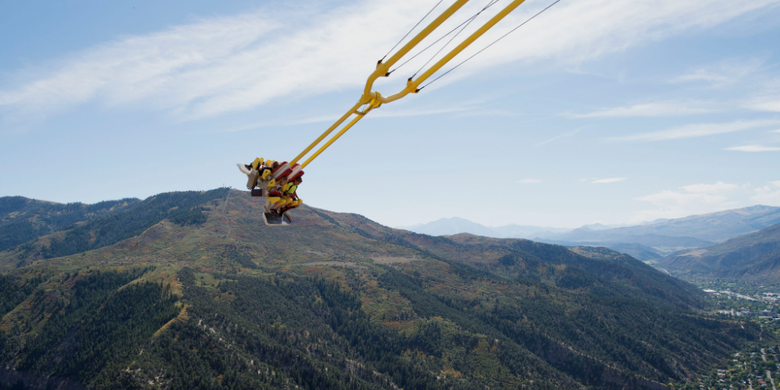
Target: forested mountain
{"x": 22, "y": 219}
{"x": 123, "y": 220}
{"x": 191, "y": 291}
{"x": 754, "y": 256}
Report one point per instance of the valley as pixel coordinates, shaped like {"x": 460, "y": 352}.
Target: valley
{"x": 755, "y": 366}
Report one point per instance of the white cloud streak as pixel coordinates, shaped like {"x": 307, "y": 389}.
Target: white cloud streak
{"x": 754, "y": 148}
{"x": 698, "y": 130}
{"x": 703, "y": 75}
{"x": 687, "y": 200}
{"x": 564, "y": 135}
{"x": 725, "y": 73}
{"x": 659, "y": 109}
{"x": 609, "y": 181}
{"x": 771, "y": 104}
{"x": 381, "y": 114}
{"x": 228, "y": 64}
{"x": 768, "y": 195}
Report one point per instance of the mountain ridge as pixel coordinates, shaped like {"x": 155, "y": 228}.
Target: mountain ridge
{"x": 22, "y": 219}
{"x": 713, "y": 227}
{"x": 754, "y": 256}
{"x": 648, "y": 241}
{"x": 222, "y": 301}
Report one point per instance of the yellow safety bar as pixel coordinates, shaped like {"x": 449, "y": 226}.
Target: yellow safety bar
{"x": 373, "y": 100}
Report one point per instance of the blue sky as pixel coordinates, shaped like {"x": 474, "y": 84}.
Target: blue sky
{"x": 596, "y": 111}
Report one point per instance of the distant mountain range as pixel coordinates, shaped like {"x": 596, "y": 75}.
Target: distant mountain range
{"x": 648, "y": 241}
{"x": 755, "y": 256}
{"x": 713, "y": 227}
{"x": 452, "y": 226}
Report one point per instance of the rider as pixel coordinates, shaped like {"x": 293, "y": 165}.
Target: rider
{"x": 282, "y": 193}
{"x": 276, "y": 196}
{"x": 258, "y": 170}
{"x": 290, "y": 191}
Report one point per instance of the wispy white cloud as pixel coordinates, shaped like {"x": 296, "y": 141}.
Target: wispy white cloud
{"x": 688, "y": 200}
{"x": 609, "y": 181}
{"x": 217, "y": 65}
{"x": 754, "y": 148}
{"x": 228, "y": 64}
{"x": 717, "y": 188}
{"x": 576, "y": 31}
{"x": 724, "y": 73}
{"x": 658, "y": 109}
{"x": 770, "y": 104}
{"x": 703, "y": 75}
{"x": 698, "y": 130}
{"x": 161, "y": 65}
{"x": 768, "y": 195}
{"x": 457, "y": 109}
{"x": 530, "y": 181}
{"x": 564, "y": 135}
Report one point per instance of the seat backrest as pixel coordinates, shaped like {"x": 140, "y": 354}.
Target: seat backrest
{"x": 282, "y": 170}
{"x": 296, "y": 172}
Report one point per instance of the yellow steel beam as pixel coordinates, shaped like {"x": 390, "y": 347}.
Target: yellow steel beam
{"x": 413, "y": 85}
{"x": 325, "y": 134}
{"x": 381, "y": 71}
{"x": 383, "y": 67}
{"x": 332, "y": 140}
{"x": 468, "y": 41}
{"x": 374, "y": 99}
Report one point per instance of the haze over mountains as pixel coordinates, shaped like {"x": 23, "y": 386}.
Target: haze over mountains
{"x": 192, "y": 291}
{"x": 648, "y": 241}
{"x": 452, "y": 226}
{"x": 754, "y": 256}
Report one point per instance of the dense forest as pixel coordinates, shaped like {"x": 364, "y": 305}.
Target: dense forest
{"x": 268, "y": 333}
{"x": 191, "y": 291}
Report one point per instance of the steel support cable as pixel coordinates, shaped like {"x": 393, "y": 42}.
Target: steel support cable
{"x": 491, "y": 44}
{"x": 473, "y": 18}
{"x": 410, "y": 31}
{"x": 467, "y": 21}
{"x": 374, "y": 100}
{"x": 377, "y": 99}
{"x": 382, "y": 69}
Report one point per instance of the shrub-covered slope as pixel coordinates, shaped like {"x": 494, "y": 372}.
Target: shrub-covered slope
{"x": 218, "y": 300}
{"x": 122, "y": 220}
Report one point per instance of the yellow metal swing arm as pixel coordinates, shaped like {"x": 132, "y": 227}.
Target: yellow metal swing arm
{"x": 372, "y": 100}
